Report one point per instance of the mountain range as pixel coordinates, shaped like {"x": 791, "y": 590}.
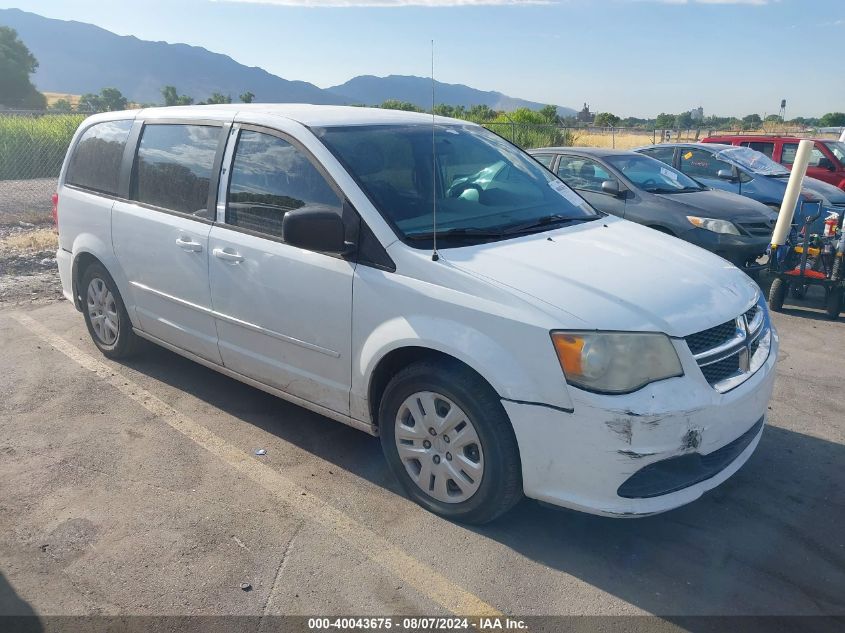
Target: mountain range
{"x": 78, "y": 58}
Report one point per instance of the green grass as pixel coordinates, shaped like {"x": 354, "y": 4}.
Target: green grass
{"x": 35, "y": 146}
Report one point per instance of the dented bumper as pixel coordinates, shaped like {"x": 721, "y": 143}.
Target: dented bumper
{"x": 674, "y": 440}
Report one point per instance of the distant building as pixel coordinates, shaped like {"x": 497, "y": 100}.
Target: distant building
{"x": 585, "y": 116}
{"x": 697, "y": 114}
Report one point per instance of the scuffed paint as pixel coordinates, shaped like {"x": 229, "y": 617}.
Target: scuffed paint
{"x": 635, "y": 454}
{"x": 691, "y": 440}
{"x": 622, "y": 427}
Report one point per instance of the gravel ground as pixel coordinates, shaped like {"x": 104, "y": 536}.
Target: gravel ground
{"x": 28, "y": 276}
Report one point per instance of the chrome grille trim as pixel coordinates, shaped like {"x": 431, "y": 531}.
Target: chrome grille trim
{"x": 736, "y": 358}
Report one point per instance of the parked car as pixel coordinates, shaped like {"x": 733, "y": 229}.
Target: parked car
{"x": 522, "y": 343}
{"x": 827, "y": 160}
{"x": 749, "y": 173}
{"x": 646, "y": 191}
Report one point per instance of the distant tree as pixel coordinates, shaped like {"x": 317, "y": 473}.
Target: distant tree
{"x": 61, "y": 105}
{"x": 683, "y": 121}
{"x": 16, "y": 65}
{"x": 832, "y": 119}
{"x": 664, "y": 121}
{"x": 549, "y": 113}
{"x": 456, "y": 112}
{"x": 89, "y": 102}
{"x": 247, "y": 97}
{"x": 173, "y": 98}
{"x": 215, "y": 98}
{"x": 751, "y": 121}
{"x": 606, "y": 119}
{"x": 112, "y": 99}
{"x": 481, "y": 113}
{"x": 395, "y": 104}
{"x": 108, "y": 100}
{"x": 799, "y": 120}
{"x": 772, "y": 118}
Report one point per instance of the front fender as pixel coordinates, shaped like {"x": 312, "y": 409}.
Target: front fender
{"x": 532, "y": 376}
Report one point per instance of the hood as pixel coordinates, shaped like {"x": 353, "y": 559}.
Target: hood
{"x": 611, "y": 274}
{"x": 722, "y": 205}
{"x": 831, "y": 194}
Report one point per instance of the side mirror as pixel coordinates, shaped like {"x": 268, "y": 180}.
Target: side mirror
{"x": 315, "y": 228}
{"x": 611, "y": 187}
{"x": 725, "y": 174}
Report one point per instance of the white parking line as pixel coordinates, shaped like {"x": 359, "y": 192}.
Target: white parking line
{"x": 413, "y": 572}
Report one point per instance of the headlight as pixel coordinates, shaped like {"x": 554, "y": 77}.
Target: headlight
{"x": 615, "y": 362}
{"x": 709, "y": 224}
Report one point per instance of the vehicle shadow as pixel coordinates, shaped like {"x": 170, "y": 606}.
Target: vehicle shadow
{"x": 16, "y": 614}
{"x": 768, "y": 541}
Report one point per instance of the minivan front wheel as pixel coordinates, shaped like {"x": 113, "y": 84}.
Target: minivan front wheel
{"x": 448, "y": 440}
{"x": 105, "y": 314}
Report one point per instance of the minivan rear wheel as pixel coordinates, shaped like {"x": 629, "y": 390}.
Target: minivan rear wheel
{"x": 105, "y": 314}
{"x": 450, "y": 443}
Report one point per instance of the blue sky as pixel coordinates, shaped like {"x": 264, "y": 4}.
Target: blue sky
{"x": 630, "y": 57}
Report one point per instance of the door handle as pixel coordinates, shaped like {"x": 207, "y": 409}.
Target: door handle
{"x": 188, "y": 245}
{"x": 228, "y": 255}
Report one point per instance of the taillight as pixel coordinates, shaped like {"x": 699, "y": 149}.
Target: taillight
{"x": 55, "y": 199}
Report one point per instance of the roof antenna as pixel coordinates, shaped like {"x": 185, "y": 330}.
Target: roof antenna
{"x": 434, "y": 254}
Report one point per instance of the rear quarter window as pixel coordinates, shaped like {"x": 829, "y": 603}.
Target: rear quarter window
{"x": 96, "y": 158}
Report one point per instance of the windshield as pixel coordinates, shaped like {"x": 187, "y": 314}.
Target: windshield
{"x": 481, "y": 185}
{"x": 754, "y": 162}
{"x": 652, "y": 175}
{"x": 838, "y": 149}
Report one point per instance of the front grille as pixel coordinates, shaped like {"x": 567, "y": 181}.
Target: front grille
{"x": 750, "y": 314}
{"x": 756, "y": 228}
{"x": 727, "y": 353}
{"x": 713, "y": 337}
{"x": 720, "y": 370}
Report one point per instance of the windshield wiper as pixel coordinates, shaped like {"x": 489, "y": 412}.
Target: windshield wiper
{"x": 682, "y": 190}
{"x": 499, "y": 231}
{"x": 456, "y": 233}
{"x": 543, "y": 223}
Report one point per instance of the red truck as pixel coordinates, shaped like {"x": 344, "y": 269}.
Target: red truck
{"x": 827, "y": 161}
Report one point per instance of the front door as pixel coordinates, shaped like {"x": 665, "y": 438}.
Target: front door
{"x": 586, "y": 176}
{"x": 284, "y": 314}
{"x": 160, "y": 237}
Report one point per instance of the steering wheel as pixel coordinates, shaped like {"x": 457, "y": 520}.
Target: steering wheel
{"x": 648, "y": 183}
{"x": 457, "y": 189}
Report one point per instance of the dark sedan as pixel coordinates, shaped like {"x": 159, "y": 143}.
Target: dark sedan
{"x": 646, "y": 191}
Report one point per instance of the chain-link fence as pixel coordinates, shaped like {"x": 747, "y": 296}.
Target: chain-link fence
{"x": 32, "y": 148}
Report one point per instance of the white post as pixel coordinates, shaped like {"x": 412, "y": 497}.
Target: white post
{"x": 793, "y": 190}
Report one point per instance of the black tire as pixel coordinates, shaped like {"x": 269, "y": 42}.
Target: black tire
{"x": 833, "y": 306}
{"x": 126, "y": 342}
{"x": 501, "y": 481}
{"x": 777, "y": 293}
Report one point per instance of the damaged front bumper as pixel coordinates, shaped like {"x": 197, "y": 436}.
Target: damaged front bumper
{"x": 642, "y": 453}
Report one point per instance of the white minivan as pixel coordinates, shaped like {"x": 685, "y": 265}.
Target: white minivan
{"x": 519, "y": 343}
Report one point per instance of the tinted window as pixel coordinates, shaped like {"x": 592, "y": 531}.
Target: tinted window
{"x": 544, "y": 159}
{"x": 698, "y": 163}
{"x": 269, "y": 178}
{"x": 663, "y": 154}
{"x": 95, "y": 163}
{"x": 652, "y": 175}
{"x": 791, "y": 149}
{"x": 173, "y": 167}
{"x": 765, "y": 148}
{"x": 582, "y": 173}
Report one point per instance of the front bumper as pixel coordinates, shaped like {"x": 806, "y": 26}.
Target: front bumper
{"x": 737, "y": 249}
{"x": 580, "y": 460}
